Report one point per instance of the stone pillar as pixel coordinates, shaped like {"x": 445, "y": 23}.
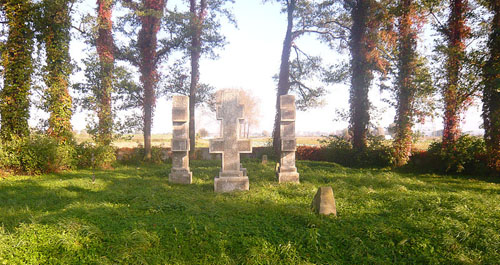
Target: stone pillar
{"x": 287, "y": 172}
{"x": 230, "y": 112}
{"x": 180, "y": 141}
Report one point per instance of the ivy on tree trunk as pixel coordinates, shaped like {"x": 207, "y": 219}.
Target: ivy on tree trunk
{"x": 457, "y": 32}
{"x": 361, "y": 46}
{"x": 105, "y": 46}
{"x": 405, "y": 86}
{"x": 17, "y": 64}
{"x": 58, "y": 69}
{"x": 491, "y": 93}
{"x": 147, "y": 43}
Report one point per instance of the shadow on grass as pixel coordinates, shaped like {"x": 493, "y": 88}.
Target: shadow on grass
{"x": 141, "y": 218}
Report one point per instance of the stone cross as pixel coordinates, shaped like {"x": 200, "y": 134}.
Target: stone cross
{"x": 230, "y": 112}
{"x": 180, "y": 141}
{"x": 287, "y": 172}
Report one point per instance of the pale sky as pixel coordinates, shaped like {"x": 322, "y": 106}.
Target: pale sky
{"x": 249, "y": 61}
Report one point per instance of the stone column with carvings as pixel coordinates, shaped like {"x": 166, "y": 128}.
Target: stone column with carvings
{"x": 287, "y": 172}
{"x": 230, "y": 112}
{"x": 180, "y": 141}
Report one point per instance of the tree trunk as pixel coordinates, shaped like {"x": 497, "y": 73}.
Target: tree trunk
{"x": 14, "y": 96}
{"x": 457, "y": 31}
{"x": 284, "y": 76}
{"x": 491, "y": 94}
{"x": 197, "y": 18}
{"x": 361, "y": 75}
{"x": 106, "y": 57}
{"x": 407, "y": 45}
{"x": 57, "y": 39}
{"x": 147, "y": 42}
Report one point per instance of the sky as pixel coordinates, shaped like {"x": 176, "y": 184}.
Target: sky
{"x": 249, "y": 61}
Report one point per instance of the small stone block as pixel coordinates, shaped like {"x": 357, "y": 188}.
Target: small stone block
{"x": 216, "y": 146}
{"x": 180, "y": 145}
{"x": 324, "y": 202}
{"x": 180, "y": 115}
{"x": 287, "y": 102}
{"x": 181, "y": 177}
{"x": 288, "y": 114}
{"x": 245, "y": 146}
{"x": 231, "y": 184}
{"x": 287, "y": 129}
{"x": 288, "y": 145}
{"x": 288, "y": 177}
{"x": 264, "y": 159}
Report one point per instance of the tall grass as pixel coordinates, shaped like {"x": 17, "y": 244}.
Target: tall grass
{"x": 132, "y": 215}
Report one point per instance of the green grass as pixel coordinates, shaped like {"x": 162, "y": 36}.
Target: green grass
{"x": 132, "y": 215}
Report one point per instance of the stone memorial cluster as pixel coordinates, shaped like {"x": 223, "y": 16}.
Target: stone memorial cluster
{"x": 229, "y": 111}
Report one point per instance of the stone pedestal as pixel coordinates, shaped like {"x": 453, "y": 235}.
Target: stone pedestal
{"x": 232, "y": 176}
{"x": 180, "y": 141}
{"x": 287, "y": 172}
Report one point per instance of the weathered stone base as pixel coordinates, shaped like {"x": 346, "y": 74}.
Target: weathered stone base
{"x": 181, "y": 177}
{"x": 286, "y": 177}
{"x": 228, "y": 184}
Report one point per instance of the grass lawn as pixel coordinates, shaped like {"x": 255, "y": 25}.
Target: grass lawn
{"x": 132, "y": 215}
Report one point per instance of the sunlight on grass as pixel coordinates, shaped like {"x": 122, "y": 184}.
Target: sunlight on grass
{"x": 132, "y": 215}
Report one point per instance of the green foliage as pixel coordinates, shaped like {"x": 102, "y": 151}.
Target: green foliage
{"x": 36, "y": 154}
{"x": 89, "y": 155}
{"x": 17, "y": 69}
{"x": 132, "y": 215}
{"x": 136, "y": 156}
{"x": 339, "y": 149}
{"x": 466, "y": 155}
{"x": 54, "y": 27}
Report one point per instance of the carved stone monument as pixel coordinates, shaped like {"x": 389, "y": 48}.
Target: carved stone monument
{"x": 287, "y": 172}
{"x": 230, "y": 112}
{"x": 180, "y": 141}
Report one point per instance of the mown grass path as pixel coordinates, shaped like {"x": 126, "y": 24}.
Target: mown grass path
{"x": 132, "y": 215}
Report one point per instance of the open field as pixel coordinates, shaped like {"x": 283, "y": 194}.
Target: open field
{"x": 132, "y": 215}
{"x": 164, "y": 140}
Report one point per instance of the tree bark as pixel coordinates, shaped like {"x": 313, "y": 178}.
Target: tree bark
{"x": 105, "y": 46}
{"x": 405, "y": 84}
{"x": 57, "y": 40}
{"x": 457, "y": 32}
{"x": 361, "y": 74}
{"x": 147, "y": 42}
{"x": 197, "y": 19}
{"x": 17, "y": 64}
{"x": 284, "y": 76}
{"x": 491, "y": 93}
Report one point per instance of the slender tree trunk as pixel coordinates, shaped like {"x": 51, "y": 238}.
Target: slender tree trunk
{"x": 491, "y": 93}
{"x": 197, "y": 18}
{"x": 361, "y": 75}
{"x": 457, "y": 32}
{"x": 147, "y": 42}
{"x": 105, "y": 47}
{"x": 284, "y": 76}
{"x": 407, "y": 45}
{"x": 57, "y": 39}
{"x": 16, "y": 61}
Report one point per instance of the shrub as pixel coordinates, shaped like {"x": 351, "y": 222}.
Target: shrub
{"x": 92, "y": 156}
{"x": 467, "y": 155}
{"x": 135, "y": 156}
{"x": 339, "y": 149}
{"x": 313, "y": 153}
{"x": 36, "y": 154}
